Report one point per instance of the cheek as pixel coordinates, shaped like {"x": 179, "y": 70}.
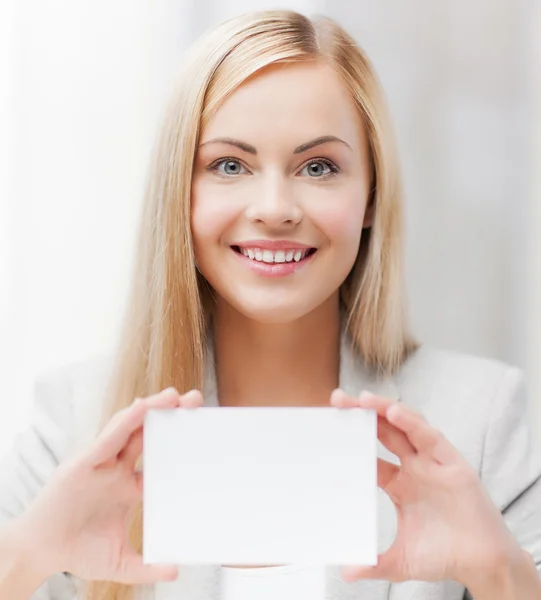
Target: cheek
{"x": 211, "y": 216}
{"x": 341, "y": 221}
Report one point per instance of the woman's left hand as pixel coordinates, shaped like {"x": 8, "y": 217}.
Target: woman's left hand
{"x": 448, "y": 527}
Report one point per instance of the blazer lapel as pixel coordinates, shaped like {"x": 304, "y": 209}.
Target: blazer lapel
{"x": 355, "y": 377}
{"x": 202, "y": 582}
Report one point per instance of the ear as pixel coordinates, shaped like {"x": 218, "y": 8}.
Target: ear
{"x": 370, "y": 212}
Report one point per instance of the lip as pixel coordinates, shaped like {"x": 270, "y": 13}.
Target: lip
{"x": 272, "y": 245}
{"x": 273, "y": 269}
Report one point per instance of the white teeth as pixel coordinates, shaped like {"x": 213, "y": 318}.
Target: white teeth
{"x": 269, "y": 257}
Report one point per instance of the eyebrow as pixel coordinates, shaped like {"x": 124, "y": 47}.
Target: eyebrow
{"x": 324, "y": 139}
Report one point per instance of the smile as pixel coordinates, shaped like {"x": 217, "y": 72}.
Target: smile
{"x": 274, "y": 263}
{"x": 278, "y": 256}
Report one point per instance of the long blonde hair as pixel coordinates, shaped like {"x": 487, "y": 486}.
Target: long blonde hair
{"x": 162, "y": 341}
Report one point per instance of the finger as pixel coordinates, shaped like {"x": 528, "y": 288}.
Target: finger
{"x": 139, "y": 481}
{"x": 378, "y": 403}
{"x": 423, "y": 436}
{"x": 386, "y": 473}
{"x": 133, "y": 571}
{"x": 119, "y": 429}
{"x": 158, "y": 399}
{"x": 133, "y": 449}
{"x": 395, "y": 440}
{"x": 339, "y": 399}
{"x": 387, "y": 568}
{"x": 365, "y": 400}
{"x": 191, "y": 399}
{"x": 116, "y": 433}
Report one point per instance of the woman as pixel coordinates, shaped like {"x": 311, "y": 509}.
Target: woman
{"x": 269, "y": 273}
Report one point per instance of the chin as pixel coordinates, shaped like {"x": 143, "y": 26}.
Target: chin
{"x": 271, "y": 312}
{"x": 273, "y": 307}
{"x": 272, "y": 315}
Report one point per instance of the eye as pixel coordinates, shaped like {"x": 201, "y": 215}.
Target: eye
{"x": 320, "y": 169}
{"x": 228, "y": 167}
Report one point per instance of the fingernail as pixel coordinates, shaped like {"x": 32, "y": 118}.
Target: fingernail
{"x": 394, "y": 411}
{"x": 347, "y": 573}
{"x": 190, "y": 393}
{"x": 366, "y": 395}
{"x": 170, "y": 572}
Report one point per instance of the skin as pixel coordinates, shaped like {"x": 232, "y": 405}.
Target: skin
{"x": 77, "y": 523}
{"x": 264, "y": 325}
{"x": 448, "y": 528}
{"x": 265, "y": 189}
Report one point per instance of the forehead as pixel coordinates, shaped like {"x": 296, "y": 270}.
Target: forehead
{"x": 293, "y": 103}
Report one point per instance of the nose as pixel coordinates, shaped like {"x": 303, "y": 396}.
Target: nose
{"x": 274, "y": 204}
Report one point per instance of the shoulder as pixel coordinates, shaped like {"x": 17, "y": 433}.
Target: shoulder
{"x": 63, "y": 402}
{"x": 438, "y": 361}
{"x": 76, "y": 372}
{"x": 431, "y": 371}
{"x": 461, "y": 394}
{"x": 72, "y": 395}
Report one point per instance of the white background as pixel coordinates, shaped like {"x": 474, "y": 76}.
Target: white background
{"x": 82, "y": 84}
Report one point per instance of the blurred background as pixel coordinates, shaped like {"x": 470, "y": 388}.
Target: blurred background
{"x": 82, "y": 86}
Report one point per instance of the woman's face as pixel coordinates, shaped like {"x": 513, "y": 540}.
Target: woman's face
{"x": 279, "y": 196}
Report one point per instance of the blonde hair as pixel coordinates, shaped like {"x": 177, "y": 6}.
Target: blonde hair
{"x": 162, "y": 341}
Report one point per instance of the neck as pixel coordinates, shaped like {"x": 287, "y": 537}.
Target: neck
{"x": 267, "y": 364}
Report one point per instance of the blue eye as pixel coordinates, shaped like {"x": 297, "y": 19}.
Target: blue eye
{"x": 315, "y": 169}
{"x": 228, "y": 167}
{"x": 320, "y": 169}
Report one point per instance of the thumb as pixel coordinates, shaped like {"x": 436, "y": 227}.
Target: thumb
{"x": 385, "y": 569}
{"x": 133, "y": 571}
{"x": 353, "y": 573}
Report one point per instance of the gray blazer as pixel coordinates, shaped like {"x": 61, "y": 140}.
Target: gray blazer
{"x": 478, "y": 404}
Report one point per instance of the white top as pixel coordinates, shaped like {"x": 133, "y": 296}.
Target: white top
{"x": 287, "y": 582}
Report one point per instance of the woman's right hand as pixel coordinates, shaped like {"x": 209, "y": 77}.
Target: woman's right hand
{"x": 79, "y": 521}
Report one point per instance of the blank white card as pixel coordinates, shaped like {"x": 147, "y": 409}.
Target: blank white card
{"x": 260, "y": 486}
